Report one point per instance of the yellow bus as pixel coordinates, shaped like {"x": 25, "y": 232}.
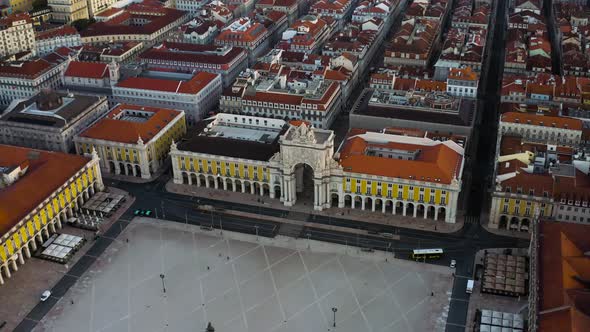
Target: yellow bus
{"x": 423, "y": 254}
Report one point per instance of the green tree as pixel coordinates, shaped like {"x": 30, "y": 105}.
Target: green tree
{"x": 38, "y": 4}
{"x": 82, "y": 24}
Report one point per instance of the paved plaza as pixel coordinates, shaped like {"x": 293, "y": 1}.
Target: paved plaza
{"x": 243, "y": 283}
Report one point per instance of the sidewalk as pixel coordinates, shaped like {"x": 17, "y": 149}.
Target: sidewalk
{"x": 344, "y": 213}
{"x": 37, "y": 275}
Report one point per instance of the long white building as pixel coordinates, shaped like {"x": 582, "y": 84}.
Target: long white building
{"x": 196, "y": 96}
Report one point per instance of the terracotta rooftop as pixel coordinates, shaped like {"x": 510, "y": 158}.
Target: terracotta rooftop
{"x": 112, "y": 128}
{"x": 47, "y": 171}
{"x": 542, "y": 120}
{"x": 438, "y": 162}
{"x": 193, "y": 86}
{"x": 564, "y": 299}
{"x": 64, "y": 30}
{"x": 94, "y": 70}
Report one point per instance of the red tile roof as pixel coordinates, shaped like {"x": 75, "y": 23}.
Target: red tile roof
{"x": 433, "y": 161}
{"x": 111, "y": 128}
{"x": 542, "y": 120}
{"x": 46, "y": 173}
{"x": 94, "y": 70}
{"x": 564, "y": 301}
{"x": 29, "y": 69}
{"x": 193, "y": 86}
{"x": 64, "y": 30}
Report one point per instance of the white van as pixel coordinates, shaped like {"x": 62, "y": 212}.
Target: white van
{"x": 469, "y": 288}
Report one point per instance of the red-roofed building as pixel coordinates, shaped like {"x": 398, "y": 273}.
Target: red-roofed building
{"x": 133, "y": 140}
{"x": 91, "y": 74}
{"x": 196, "y": 95}
{"x": 306, "y": 35}
{"x": 49, "y": 40}
{"x": 414, "y": 43}
{"x": 24, "y": 79}
{"x": 226, "y": 61}
{"x": 145, "y": 22}
{"x": 247, "y": 34}
{"x": 38, "y": 192}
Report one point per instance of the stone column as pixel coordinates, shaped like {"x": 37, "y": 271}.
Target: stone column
{"x": 190, "y": 180}
{"x": 362, "y": 203}
{"x": 21, "y": 259}
{"x": 452, "y": 208}
{"x": 14, "y": 266}
{"x": 27, "y": 251}
{"x": 316, "y": 192}
{"x": 425, "y": 212}
{"x": 7, "y": 270}
{"x": 1, "y": 279}
{"x": 404, "y": 205}
{"x": 435, "y": 213}
{"x": 261, "y": 189}
{"x": 206, "y": 182}
{"x": 224, "y": 185}
{"x": 373, "y": 205}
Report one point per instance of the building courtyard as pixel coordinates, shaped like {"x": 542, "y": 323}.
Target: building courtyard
{"x": 242, "y": 283}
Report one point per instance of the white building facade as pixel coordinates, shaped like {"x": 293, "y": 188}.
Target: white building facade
{"x": 16, "y": 34}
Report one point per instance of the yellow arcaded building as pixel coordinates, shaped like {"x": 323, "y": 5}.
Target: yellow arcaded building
{"x": 39, "y": 191}
{"x": 133, "y": 140}
{"x": 397, "y": 174}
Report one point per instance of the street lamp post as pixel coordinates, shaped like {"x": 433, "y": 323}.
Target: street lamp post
{"x": 163, "y": 285}
{"x": 334, "y": 309}
{"x": 256, "y": 228}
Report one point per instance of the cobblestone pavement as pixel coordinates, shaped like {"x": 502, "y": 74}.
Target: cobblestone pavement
{"x": 242, "y": 283}
{"x": 36, "y": 275}
{"x": 353, "y": 214}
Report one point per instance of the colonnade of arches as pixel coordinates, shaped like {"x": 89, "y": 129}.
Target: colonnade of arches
{"x": 514, "y": 223}
{"x": 226, "y": 183}
{"x": 124, "y": 168}
{"x": 29, "y": 246}
{"x": 391, "y": 206}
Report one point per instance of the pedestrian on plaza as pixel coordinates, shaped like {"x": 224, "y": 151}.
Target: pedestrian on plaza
{"x": 72, "y": 301}
{"x": 431, "y": 293}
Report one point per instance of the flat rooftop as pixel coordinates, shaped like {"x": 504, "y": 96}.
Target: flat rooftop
{"x": 236, "y": 136}
{"x": 58, "y": 116}
{"x": 463, "y": 115}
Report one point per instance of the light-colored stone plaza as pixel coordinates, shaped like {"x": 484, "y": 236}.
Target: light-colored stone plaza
{"x": 243, "y": 283}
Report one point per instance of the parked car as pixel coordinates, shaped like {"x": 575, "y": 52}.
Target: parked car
{"x": 45, "y": 295}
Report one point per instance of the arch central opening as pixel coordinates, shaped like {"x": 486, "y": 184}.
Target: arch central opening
{"x": 304, "y": 183}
